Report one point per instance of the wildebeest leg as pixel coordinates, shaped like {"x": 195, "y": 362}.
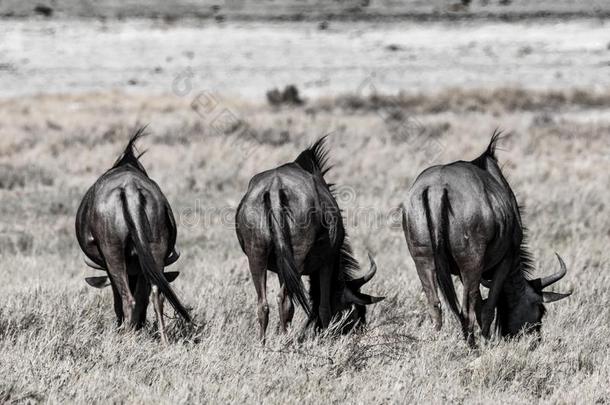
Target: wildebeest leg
{"x": 142, "y": 292}
{"x": 258, "y": 269}
{"x": 488, "y": 309}
{"x": 159, "y": 252}
{"x": 471, "y": 300}
{"x": 314, "y": 291}
{"x": 158, "y": 304}
{"x": 285, "y": 304}
{"x": 325, "y": 281}
{"x": 117, "y": 270}
{"x": 427, "y": 276}
{"x": 286, "y": 309}
{"x": 118, "y": 304}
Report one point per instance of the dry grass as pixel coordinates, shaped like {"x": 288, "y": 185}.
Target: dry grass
{"x": 495, "y": 100}
{"x": 57, "y": 337}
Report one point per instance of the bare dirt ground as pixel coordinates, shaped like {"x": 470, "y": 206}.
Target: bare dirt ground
{"x": 245, "y": 59}
{"x": 67, "y": 111}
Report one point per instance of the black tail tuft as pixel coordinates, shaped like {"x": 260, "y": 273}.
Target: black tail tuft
{"x": 286, "y": 265}
{"x": 136, "y": 222}
{"x": 442, "y": 259}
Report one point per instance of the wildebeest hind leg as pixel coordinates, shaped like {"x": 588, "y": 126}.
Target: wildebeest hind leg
{"x": 471, "y": 301}
{"x": 158, "y": 305}
{"x": 258, "y": 269}
{"x": 118, "y": 273}
{"x": 427, "y": 276}
{"x": 118, "y": 305}
{"x": 142, "y": 292}
{"x": 286, "y": 309}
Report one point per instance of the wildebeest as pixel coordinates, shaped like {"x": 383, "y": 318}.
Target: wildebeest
{"x": 125, "y": 226}
{"x": 290, "y": 223}
{"x": 463, "y": 219}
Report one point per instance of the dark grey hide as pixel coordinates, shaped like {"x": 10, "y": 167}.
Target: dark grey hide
{"x": 463, "y": 219}
{"x": 125, "y": 226}
{"x": 289, "y": 223}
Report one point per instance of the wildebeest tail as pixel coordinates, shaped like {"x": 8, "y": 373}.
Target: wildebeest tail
{"x": 277, "y": 211}
{"x": 438, "y": 227}
{"x": 139, "y": 228}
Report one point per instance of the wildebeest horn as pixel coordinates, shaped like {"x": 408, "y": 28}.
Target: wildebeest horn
{"x": 171, "y": 275}
{"x": 548, "y": 296}
{"x": 543, "y": 282}
{"x": 359, "y": 282}
{"x": 92, "y": 264}
{"x": 355, "y": 297}
{"x": 98, "y": 282}
{"x": 172, "y": 257}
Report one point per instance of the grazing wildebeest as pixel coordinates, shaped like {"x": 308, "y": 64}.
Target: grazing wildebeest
{"x": 289, "y": 223}
{"x": 125, "y": 226}
{"x": 463, "y": 219}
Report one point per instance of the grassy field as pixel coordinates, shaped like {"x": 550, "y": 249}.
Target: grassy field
{"x": 58, "y": 342}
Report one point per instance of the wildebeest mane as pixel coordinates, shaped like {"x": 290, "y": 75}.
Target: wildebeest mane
{"x": 490, "y": 152}
{"x": 347, "y": 262}
{"x": 314, "y": 160}
{"x": 526, "y": 261}
{"x": 525, "y": 269}
{"x": 130, "y": 155}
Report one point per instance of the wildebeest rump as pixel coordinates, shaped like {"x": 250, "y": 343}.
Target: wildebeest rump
{"x": 463, "y": 219}
{"x": 289, "y": 222}
{"x": 125, "y": 226}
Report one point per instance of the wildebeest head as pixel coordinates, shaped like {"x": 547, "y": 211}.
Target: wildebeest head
{"x": 521, "y": 304}
{"x": 353, "y": 300}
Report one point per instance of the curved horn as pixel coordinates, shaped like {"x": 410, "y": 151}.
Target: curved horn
{"x": 354, "y": 297}
{"x": 543, "y": 282}
{"x": 98, "y": 282}
{"x": 359, "y": 282}
{"x": 172, "y": 257}
{"x": 92, "y": 264}
{"x": 548, "y": 296}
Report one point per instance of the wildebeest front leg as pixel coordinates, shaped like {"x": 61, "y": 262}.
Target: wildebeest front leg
{"x": 488, "y": 309}
{"x": 258, "y": 269}
{"x": 157, "y": 300}
{"x": 325, "y": 280}
{"x": 427, "y": 276}
{"x": 286, "y": 309}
